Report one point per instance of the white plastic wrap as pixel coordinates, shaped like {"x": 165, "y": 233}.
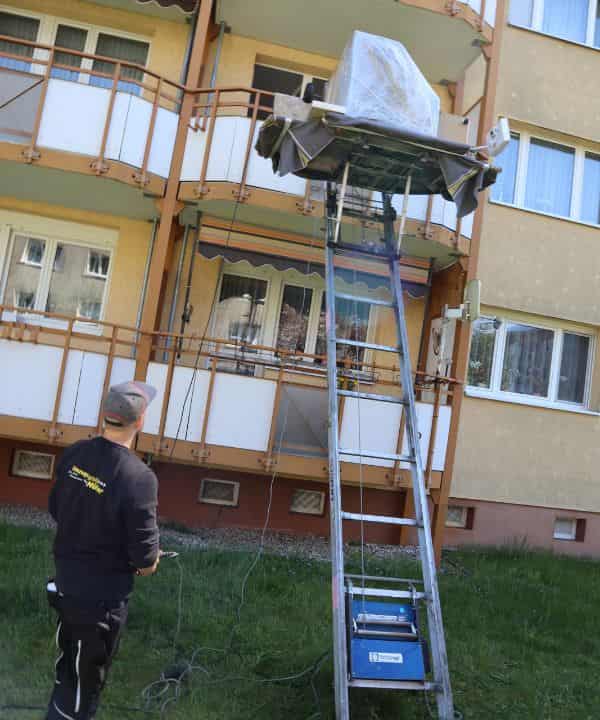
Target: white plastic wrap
{"x": 377, "y": 79}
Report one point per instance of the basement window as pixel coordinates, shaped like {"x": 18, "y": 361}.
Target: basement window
{"x": 459, "y": 516}
{"x": 569, "y": 529}
{"x": 27, "y": 463}
{"x": 308, "y": 502}
{"x": 219, "y": 492}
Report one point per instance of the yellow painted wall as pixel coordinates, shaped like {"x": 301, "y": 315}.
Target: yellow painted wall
{"x": 549, "y": 83}
{"x": 527, "y": 455}
{"x": 474, "y": 83}
{"x": 128, "y": 260}
{"x": 168, "y": 40}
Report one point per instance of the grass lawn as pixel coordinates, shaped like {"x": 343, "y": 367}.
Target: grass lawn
{"x": 523, "y": 634}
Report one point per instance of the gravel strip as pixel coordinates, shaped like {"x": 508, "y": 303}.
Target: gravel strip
{"x": 308, "y": 547}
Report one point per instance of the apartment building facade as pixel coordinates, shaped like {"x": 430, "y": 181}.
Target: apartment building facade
{"x": 142, "y": 236}
{"x": 527, "y": 461}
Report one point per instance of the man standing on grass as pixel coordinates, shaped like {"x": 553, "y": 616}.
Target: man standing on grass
{"x": 104, "y": 502}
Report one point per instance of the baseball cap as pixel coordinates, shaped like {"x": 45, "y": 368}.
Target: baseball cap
{"x": 125, "y": 403}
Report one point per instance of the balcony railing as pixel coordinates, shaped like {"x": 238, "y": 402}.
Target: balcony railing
{"x": 215, "y": 397}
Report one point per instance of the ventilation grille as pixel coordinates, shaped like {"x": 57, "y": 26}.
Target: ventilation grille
{"x": 308, "y": 502}
{"x": 219, "y": 492}
{"x": 33, "y": 464}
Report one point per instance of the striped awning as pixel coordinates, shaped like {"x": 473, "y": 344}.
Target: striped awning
{"x": 187, "y": 6}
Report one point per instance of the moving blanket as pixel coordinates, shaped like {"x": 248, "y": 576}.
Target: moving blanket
{"x": 381, "y": 158}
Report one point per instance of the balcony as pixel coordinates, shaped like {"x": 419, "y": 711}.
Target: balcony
{"x": 220, "y": 403}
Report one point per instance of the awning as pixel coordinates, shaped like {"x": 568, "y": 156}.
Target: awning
{"x": 381, "y": 157}
{"x": 187, "y": 6}
{"x": 256, "y": 259}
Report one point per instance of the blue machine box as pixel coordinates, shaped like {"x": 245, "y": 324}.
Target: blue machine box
{"x": 384, "y": 642}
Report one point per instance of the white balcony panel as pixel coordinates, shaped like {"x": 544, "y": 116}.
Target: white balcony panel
{"x": 73, "y": 118}
{"x": 260, "y": 171}
{"x": 157, "y": 377}
{"x": 424, "y": 417}
{"x": 370, "y": 426}
{"x": 441, "y": 438}
{"x": 467, "y": 225}
{"x": 82, "y": 388}
{"x": 220, "y": 155}
{"x": 130, "y": 122}
{"x": 187, "y": 404}
{"x": 29, "y": 379}
{"x": 490, "y": 12}
{"x": 163, "y": 143}
{"x": 241, "y": 412}
{"x": 123, "y": 370}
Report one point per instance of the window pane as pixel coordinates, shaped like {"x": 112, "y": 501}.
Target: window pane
{"x": 503, "y": 189}
{"x": 549, "y": 178}
{"x": 274, "y": 80}
{"x": 520, "y": 12}
{"x": 121, "y": 49}
{"x": 319, "y": 87}
{"x": 483, "y": 340}
{"x": 565, "y": 528}
{"x": 527, "y": 359}
{"x": 73, "y": 39}
{"x": 597, "y": 26}
{"x": 566, "y": 18}
{"x": 20, "y": 27}
{"x": 239, "y": 313}
{"x": 293, "y": 318}
{"x": 590, "y": 201}
{"x": 24, "y": 270}
{"x": 352, "y": 323}
{"x": 72, "y": 290}
{"x": 573, "y": 368}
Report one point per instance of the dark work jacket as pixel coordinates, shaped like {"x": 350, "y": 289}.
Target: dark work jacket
{"x": 104, "y": 501}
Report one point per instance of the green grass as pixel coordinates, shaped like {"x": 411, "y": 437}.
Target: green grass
{"x": 522, "y": 630}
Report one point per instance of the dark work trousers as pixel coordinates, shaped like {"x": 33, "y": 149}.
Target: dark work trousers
{"x": 87, "y": 640}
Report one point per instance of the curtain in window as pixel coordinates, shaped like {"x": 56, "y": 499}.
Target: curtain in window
{"x": 503, "y": 190}
{"x": 566, "y": 18}
{"x": 573, "y": 368}
{"x": 293, "y": 318}
{"x": 549, "y": 177}
{"x": 482, "y": 353}
{"x": 590, "y": 201}
{"x": 240, "y": 311}
{"x": 520, "y": 12}
{"x": 352, "y": 324}
{"x": 527, "y": 359}
{"x": 20, "y": 27}
{"x": 73, "y": 39}
{"x": 120, "y": 49}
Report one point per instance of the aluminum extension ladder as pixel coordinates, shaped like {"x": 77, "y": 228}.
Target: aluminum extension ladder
{"x": 343, "y": 584}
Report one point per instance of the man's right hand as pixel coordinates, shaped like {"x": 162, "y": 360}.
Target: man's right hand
{"x": 149, "y": 570}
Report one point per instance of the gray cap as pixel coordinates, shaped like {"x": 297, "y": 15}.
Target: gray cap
{"x": 125, "y": 404}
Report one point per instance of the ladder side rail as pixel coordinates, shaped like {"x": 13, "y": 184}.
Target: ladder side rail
{"x": 340, "y": 647}
{"x": 434, "y": 612}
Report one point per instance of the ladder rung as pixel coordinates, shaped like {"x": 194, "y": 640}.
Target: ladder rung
{"x": 377, "y": 455}
{"x": 360, "y": 298}
{"x": 383, "y": 519}
{"x": 385, "y": 593}
{"x": 382, "y": 578}
{"x": 393, "y": 684}
{"x": 368, "y": 346}
{"x": 343, "y": 247}
{"x": 389, "y": 634}
{"x": 373, "y": 396}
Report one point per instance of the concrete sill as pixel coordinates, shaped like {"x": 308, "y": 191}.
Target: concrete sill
{"x": 482, "y": 394}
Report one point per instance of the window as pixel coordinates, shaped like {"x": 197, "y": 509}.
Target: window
{"x": 240, "y": 310}
{"x": 55, "y": 277}
{"x": 574, "y": 20}
{"x": 72, "y": 38}
{"x": 511, "y": 359}
{"x": 120, "y": 48}
{"x": 590, "y": 201}
{"x": 219, "y": 492}
{"x": 287, "y": 82}
{"x": 503, "y": 189}
{"x": 549, "y": 177}
{"x": 33, "y": 464}
{"x": 97, "y": 264}
{"x": 569, "y": 529}
{"x": 308, "y": 502}
{"x": 293, "y": 318}
{"x": 352, "y": 324}
{"x": 23, "y": 28}
{"x": 461, "y": 517}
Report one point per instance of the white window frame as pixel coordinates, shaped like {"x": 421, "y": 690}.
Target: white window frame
{"x": 25, "y": 255}
{"x": 557, "y": 535}
{"x": 537, "y": 24}
{"x": 53, "y": 232}
{"x": 90, "y": 273}
{"x": 462, "y": 524}
{"x": 47, "y": 35}
{"x": 494, "y": 390}
{"x": 575, "y": 215}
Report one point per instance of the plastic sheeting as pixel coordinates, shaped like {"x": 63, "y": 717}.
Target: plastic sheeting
{"x": 378, "y": 80}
